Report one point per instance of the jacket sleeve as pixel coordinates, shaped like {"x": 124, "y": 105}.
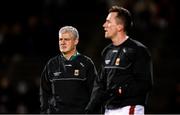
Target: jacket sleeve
{"x": 45, "y": 91}
{"x": 95, "y": 104}
{"x": 91, "y": 75}
{"x": 142, "y": 75}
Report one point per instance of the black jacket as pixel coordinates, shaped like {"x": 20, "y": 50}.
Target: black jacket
{"x": 127, "y": 66}
{"x": 66, "y": 85}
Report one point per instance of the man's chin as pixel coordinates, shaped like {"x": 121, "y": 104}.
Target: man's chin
{"x": 64, "y": 52}
{"x": 107, "y": 37}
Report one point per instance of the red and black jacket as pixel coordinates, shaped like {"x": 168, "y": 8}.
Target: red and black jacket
{"x": 127, "y": 66}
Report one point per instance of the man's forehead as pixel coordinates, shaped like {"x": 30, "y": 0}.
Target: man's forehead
{"x": 111, "y": 15}
{"x": 65, "y": 35}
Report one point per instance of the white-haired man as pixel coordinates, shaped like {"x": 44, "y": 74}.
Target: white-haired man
{"x": 67, "y": 79}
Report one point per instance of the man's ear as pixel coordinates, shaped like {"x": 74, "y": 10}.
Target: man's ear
{"x": 120, "y": 27}
{"x": 76, "y": 41}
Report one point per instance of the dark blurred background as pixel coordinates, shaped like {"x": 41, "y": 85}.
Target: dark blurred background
{"x": 29, "y": 37}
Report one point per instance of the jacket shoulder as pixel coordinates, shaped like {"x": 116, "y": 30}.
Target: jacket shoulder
{"x": 105, "y": 49}
{"x": 141, "y": 47}
{"x": 53, "y": 60}
{"x": 85, "y": 58}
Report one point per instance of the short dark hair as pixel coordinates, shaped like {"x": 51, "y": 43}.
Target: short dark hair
{"x": 124, "y": 15}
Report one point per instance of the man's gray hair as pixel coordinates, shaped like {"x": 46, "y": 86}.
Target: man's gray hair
{"x": 71, "y": 29}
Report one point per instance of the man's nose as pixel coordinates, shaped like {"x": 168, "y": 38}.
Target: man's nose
{"x": 104, "y": 24}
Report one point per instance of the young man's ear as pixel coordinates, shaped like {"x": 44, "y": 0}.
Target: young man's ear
{"x": 120, "y": 27}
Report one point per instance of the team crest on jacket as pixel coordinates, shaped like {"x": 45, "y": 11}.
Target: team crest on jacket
{"x": 117, "y": 61}
{"x": 76, "y": 72}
